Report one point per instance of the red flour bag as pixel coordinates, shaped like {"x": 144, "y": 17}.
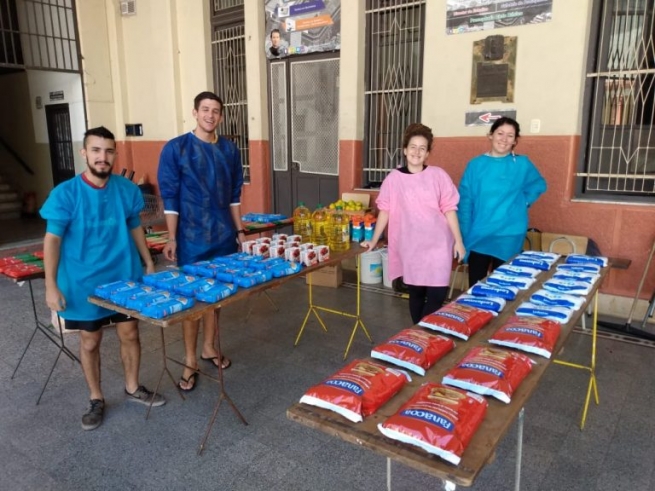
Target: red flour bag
{"x": 490, "y": 372}
{"x": 356, "y": 391}
{"x": 438, "y": 419}
{"x": 458, "y": 320}
{"x": 413, "y": 349}
{"x": 531, "y": 334}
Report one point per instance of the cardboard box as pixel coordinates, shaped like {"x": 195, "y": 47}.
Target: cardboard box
{"x": 362, "y": 198}
{"x": 331, "y": 276}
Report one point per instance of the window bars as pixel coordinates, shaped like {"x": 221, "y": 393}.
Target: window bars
{"x": 394, "y": 81}
{"x": 229, "y": 60}
{"x": 620, "y": 139}
{"x": 38, "y": 34}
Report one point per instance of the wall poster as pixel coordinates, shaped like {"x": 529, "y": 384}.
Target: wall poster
{"x": 480, "y": 15}
{"x": 295, "y": 27}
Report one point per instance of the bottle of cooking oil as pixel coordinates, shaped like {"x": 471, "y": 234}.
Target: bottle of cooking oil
{"x": 302, "y": 222}
{"x": 320, "y": 226}
{"x": 340, "y": 231}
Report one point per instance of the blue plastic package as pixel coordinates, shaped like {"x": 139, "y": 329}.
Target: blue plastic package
{"x": 107, "y": 290}
{"x": 217, "y": 293}
{"x": 164, "y": 308}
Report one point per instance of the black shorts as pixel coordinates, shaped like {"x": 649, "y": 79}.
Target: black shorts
{"x": 93, "y": 326}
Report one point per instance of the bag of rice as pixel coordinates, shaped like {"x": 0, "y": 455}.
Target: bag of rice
{"x": 413, "y": 349}
{"x": 356, "y": 391}
{"x": 531, "y": 334}
{"x": 458, "y": 320}
{"x": 490, "y": 372}
{"x": 438, "y": 419}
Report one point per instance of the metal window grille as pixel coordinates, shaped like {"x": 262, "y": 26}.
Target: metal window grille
{"x": 229, "y": 60}
{"x": 222, "y": 5}
{"x": 11, "y": 53}
{"x": 394, "y": 81}
{"x": 48, "y": 34}
{"x": 619, "y": 141}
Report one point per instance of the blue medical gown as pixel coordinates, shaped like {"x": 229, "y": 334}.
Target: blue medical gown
{"x": 495, "y": 194}
{"x": 96, "y": 244}
{"x": 199, "y": 181}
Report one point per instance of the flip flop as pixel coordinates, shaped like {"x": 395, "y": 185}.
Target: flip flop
{"x": 212, "y": 359}
{"x": 193, "y": 377}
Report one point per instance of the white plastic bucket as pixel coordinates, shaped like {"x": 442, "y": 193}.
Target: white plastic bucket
{"x": 371, "y": 267}
{"x": 385, "y": 268}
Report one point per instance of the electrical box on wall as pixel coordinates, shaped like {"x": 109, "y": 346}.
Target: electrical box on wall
{"x": 128, "y": 7}
{"x": 134, "y": 129}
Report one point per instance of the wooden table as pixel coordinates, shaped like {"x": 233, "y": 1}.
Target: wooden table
{"x": 497, "y": 422}
{"x": 201, "y": 308}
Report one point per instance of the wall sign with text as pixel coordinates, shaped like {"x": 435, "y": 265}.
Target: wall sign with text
{"x": 295, "y": 27}
{"x": 480, "y": 15}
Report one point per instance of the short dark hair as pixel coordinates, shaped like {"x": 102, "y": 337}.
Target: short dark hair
{"x": 101, "y": 132}
{"x": 505, "y": 120}
{"x": 206, "y": 95}
{"x": 418, "y": 129}
{"x": 274, "y": 30}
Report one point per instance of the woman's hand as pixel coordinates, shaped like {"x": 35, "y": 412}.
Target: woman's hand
{"x": 369, "y": 244}
{"x": 459, "y": 251}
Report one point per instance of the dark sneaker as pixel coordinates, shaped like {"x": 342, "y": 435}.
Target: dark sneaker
{"x": 93, "y": 417}
{"x": 144, "y": 396}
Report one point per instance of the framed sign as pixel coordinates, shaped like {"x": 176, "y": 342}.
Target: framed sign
{"x": 494, "y": 69}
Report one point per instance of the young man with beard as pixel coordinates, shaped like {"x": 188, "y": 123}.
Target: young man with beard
{"x": 93, "y": 237}
{"x": 200, "y": 179}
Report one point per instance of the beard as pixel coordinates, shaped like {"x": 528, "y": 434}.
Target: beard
{"x": 99, "y": 173}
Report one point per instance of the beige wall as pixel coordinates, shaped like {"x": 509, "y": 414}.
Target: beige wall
{"x": 550, "y": 69}
{"x": 351, "y": 73}
{"x": 257, "y": 74}
{"x": 145, "y": 68}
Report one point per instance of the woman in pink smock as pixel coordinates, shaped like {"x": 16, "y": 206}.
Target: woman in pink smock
{"x": 419, "y": 204}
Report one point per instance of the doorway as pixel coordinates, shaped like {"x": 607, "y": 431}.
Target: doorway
{"x": 304, "y": 122}
{"x": 61, "y": 142}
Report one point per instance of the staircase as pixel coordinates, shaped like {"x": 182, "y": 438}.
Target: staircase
{"x": 10, "y": 201}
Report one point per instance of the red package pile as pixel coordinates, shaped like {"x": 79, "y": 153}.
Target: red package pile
{"x": 438, "y": 419}
{"x": 531, "y": 334}
{"x": 458, "y": 320}
{"x": 22, "y": 270}
{"x": 356, "y": 391}
{"x": 490, "y": 372}
{"x": 413, "y": 349}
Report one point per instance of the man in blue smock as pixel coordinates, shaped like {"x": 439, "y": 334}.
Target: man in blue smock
{"x": 93, "y": 237}
{"x": 200, "y": 179}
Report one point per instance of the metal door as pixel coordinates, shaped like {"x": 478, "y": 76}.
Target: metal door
{"x": 304, "y": 132}
{"x": 61, "y": 142}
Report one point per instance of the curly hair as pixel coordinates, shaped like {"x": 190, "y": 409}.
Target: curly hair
{"x": 418, "y": 129}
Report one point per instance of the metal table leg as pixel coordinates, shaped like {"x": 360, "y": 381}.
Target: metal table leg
{"x": 223, "y": 394}
{"x": 56, "y": 339}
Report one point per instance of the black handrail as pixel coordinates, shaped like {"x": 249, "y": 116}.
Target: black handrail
{"x": 16, "y": 157}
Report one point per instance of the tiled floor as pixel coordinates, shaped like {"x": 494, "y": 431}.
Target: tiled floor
{"x": 43, "y": 447}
